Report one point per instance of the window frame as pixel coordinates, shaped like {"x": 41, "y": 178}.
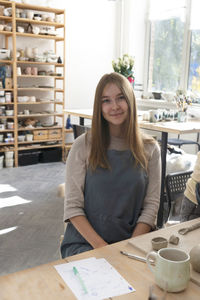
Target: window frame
{"x": 186, "y": 48}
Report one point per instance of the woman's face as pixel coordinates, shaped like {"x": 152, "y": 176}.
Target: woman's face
{"x": 114, "y": 106}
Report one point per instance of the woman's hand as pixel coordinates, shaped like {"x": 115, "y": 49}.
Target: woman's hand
{"x": 141, "y": 228}
{"x": 83, "y": 226}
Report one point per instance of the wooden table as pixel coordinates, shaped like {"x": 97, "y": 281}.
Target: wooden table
{"x": 165, "y": 128}
{"x": 43, "y": 282}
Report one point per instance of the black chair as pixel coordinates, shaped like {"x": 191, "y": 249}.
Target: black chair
{"x": 175, "y": 184}
{"x": 180, "y": 142}
{"x": 79, "y": 129}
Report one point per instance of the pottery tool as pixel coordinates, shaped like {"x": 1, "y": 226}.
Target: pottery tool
{"x": 136, "y": 257}
{"x": 188, "y": 229}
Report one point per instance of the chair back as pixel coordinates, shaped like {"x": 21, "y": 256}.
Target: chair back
{"x": 175, "y": 186}
{"x": 79, "y": 129}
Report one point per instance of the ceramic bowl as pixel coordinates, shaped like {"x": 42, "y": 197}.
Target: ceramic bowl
{"x": 20, "y": 29}
{"x": 21, "y": 138}
{"x": 8, "y": 28}
{"x": 159, "y": 242}
{"x": 37, "y": 18}
{"x": 9, "y": 112}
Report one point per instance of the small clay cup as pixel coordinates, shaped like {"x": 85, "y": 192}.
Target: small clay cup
{"x": 159, "y": 242}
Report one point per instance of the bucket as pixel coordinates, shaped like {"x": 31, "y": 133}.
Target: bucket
{"x": 9, "y": 154}
{"x": 9, "y": 163}
{"x": 1, "y": 162}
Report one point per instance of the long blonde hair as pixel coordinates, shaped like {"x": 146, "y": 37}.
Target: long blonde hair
{"x": 100, "y": 137}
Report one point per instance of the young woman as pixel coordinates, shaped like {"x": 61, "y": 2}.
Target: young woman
{"x": 112, "y": 174}
{"x": 190, "y": 207}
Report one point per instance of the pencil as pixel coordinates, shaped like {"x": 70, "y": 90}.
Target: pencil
{"x": 76, "y": 272}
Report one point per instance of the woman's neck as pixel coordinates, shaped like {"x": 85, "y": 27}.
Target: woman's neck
{"x": 116, "y": 131}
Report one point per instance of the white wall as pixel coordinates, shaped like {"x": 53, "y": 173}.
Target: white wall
{"x": 134, "y": 34}
{"x": 90, "y": 48}
{"x": 94, "y": 37}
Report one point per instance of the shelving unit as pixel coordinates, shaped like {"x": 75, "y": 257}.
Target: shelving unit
{"x": 49, "y": 99}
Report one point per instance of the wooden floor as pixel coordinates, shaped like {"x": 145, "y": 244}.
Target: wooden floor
{"x": 30, "y": 215}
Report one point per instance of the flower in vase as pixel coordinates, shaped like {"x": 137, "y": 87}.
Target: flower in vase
{"x": 182, "y": 100}
{"x": 125, "y": 66}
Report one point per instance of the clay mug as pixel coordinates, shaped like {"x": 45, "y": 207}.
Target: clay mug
{"x": 19, "y": 72}
{"x": 26, "y": 112}
{"x": 28, "y": 71}
{"x": 171, "y": 268}
{"x": 2, "y": 27}
{"x": 34, "y": 70}
{"x": 30, "y": 14}
{"x": 29, "y": 52}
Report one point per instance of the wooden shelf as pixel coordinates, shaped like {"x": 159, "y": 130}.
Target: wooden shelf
{"x": 5, "y": 61}
{"x": 44, "y": 23}
{"x": 39, "y": 147}
{"x": 40, "y": 89}
{"x": 41, "y": 102}
{"x": 40, "y": 115}
{"x": 7, "y": 103}
{"x": 68, "y": 130}
{"x": 38, "y": 141}
{"x": 6, "y": 3}
{"x": 7, "y": 90}
{"x": 39, "y": 63}
{"x": 40, "y": 8}
{"x": 6, "y": 117}
{"x": 6, "y": 144}
{"x": 40, "y": 36}
{"x": 38, "y": 128}
{"x": 41, "y": 76}
{"x": 4, "y": 18}
{"x": 37, "y": 86}
{"x": 8, "y": 33}
{"x": 68, "y": 146}
{"x": 5, "y": 150}
{"x": 6, "y": 130}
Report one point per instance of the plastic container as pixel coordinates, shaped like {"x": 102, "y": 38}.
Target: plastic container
{"x": 28, "y": 157}
{"x": 51, "y": 155}
{"x": 9, "y": 154}
{"x": 10, "y": 125}
{"x": 1, "y": 162}
{"x": 29, "y": 137}
{"x": 9, "y": 162}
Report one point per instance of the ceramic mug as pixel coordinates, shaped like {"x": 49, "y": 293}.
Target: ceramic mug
{"x": 30, "y": 14}
{"x": 171, "y": 268}
{"x": 28, "y": 71}
{"x": 154, "y": 116}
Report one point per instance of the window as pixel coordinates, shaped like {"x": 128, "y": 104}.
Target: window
{"x": 194, "y": 66}
{"x": 166, "y": 46}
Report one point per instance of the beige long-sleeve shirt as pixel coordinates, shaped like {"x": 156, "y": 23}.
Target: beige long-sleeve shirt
{"x": 76, "y": 168}
{"x": 191, "y": 183}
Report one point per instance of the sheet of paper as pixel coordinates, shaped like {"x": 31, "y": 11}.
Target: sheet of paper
{"x": 100, "y": 278}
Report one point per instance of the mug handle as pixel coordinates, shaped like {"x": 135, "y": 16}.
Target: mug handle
{"x": 151, "y": 256}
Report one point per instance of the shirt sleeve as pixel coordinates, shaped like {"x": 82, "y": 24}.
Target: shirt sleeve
{"x": 152, "y": 198}
{"x": 75, "y": 179}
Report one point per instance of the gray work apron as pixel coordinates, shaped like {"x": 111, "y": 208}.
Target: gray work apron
{"x": 113, "y": 201}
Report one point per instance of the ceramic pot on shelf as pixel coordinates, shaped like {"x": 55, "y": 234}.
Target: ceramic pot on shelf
{"x": 29, "y": 52}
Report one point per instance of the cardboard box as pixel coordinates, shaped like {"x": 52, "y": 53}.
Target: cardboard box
{"x": 1, "y": 10}
{"x": 8, "y": 83}
{"x": 40, "y": 135}
{"x": 55, "y": 134}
